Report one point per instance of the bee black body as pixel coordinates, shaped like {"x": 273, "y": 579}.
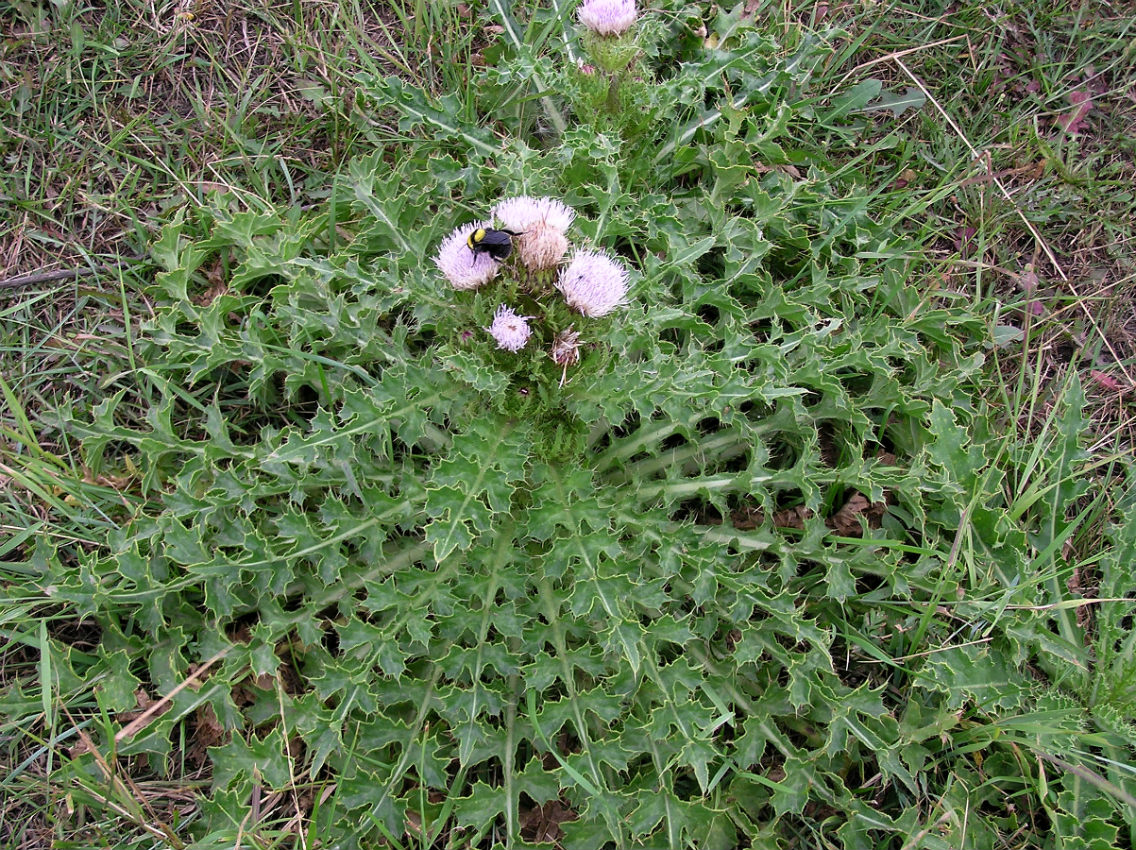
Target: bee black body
{"x": 498, "y": 244}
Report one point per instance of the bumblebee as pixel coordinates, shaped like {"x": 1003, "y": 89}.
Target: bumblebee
{"x": 498, "y": 244}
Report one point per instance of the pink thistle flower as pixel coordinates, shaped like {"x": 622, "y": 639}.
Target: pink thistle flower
{"x": 593, "y": 283}
{"x": 607, "y": 17}
{"x": 510, "y": 330}
{"x": 523, "y": 212}
{"x": 463, "y": 268}
{"x": 542, "y": 222}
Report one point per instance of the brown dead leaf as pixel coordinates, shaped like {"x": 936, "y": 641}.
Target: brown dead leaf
{"x": 542, "y": 823}
{"x": 413, "y": 822}
{"x": 207, "y": 732}
{"x": 732, "y": 638}
{"x": 784, "y": 168}
{"x": 142, "y": 700}
{"x": 792, "y": 517}
{"x": 414, "y": 819}
{"x": 747, "y": 518}
{"x": 218, "y": 286}
{"x": 846, "y": 521}
{"x": 1074, "y": 121}
{"x": 1105, "y": 380}
{"x": 905, "y": 178}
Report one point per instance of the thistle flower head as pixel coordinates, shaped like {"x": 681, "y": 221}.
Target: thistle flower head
{"x": 593, "y": 283}
{"x": 565, "y": 347}
{"x": 510, "y": 330}
{"x": 462, "y": 267}
{"x": 565, "y": 351}
{"x": 607, "y": 17}
{"x": 542, "y": 222}
{"x": 523, "y": 212}
{"x": 542, "y": 247}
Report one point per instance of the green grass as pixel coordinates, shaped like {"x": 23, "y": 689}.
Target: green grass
{"x": 826, "y": 542}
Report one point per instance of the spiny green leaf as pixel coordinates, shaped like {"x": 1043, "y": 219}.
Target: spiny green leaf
{"x": 896, "y": 103}
{"x": 258, "y": 760}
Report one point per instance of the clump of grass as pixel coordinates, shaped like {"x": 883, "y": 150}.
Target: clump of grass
{"x": 118, "y": 114}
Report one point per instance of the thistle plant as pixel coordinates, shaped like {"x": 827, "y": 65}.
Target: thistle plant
{"x": 469, "y": 540}
{"x": 609, "y": 38}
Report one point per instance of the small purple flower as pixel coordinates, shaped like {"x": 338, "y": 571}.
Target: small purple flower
{"x": 593, "y": 283}
{"x": 462, "y": 268}
{"x": 510, "y": 330}
{"x": 607, "y": 17}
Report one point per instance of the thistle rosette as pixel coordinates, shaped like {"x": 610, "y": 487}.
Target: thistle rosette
{"x": 463, "y": 268}
{"x": 510, "y": 330}
{"x": 593, "y": 283}
{"x": 543, "y": 223}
